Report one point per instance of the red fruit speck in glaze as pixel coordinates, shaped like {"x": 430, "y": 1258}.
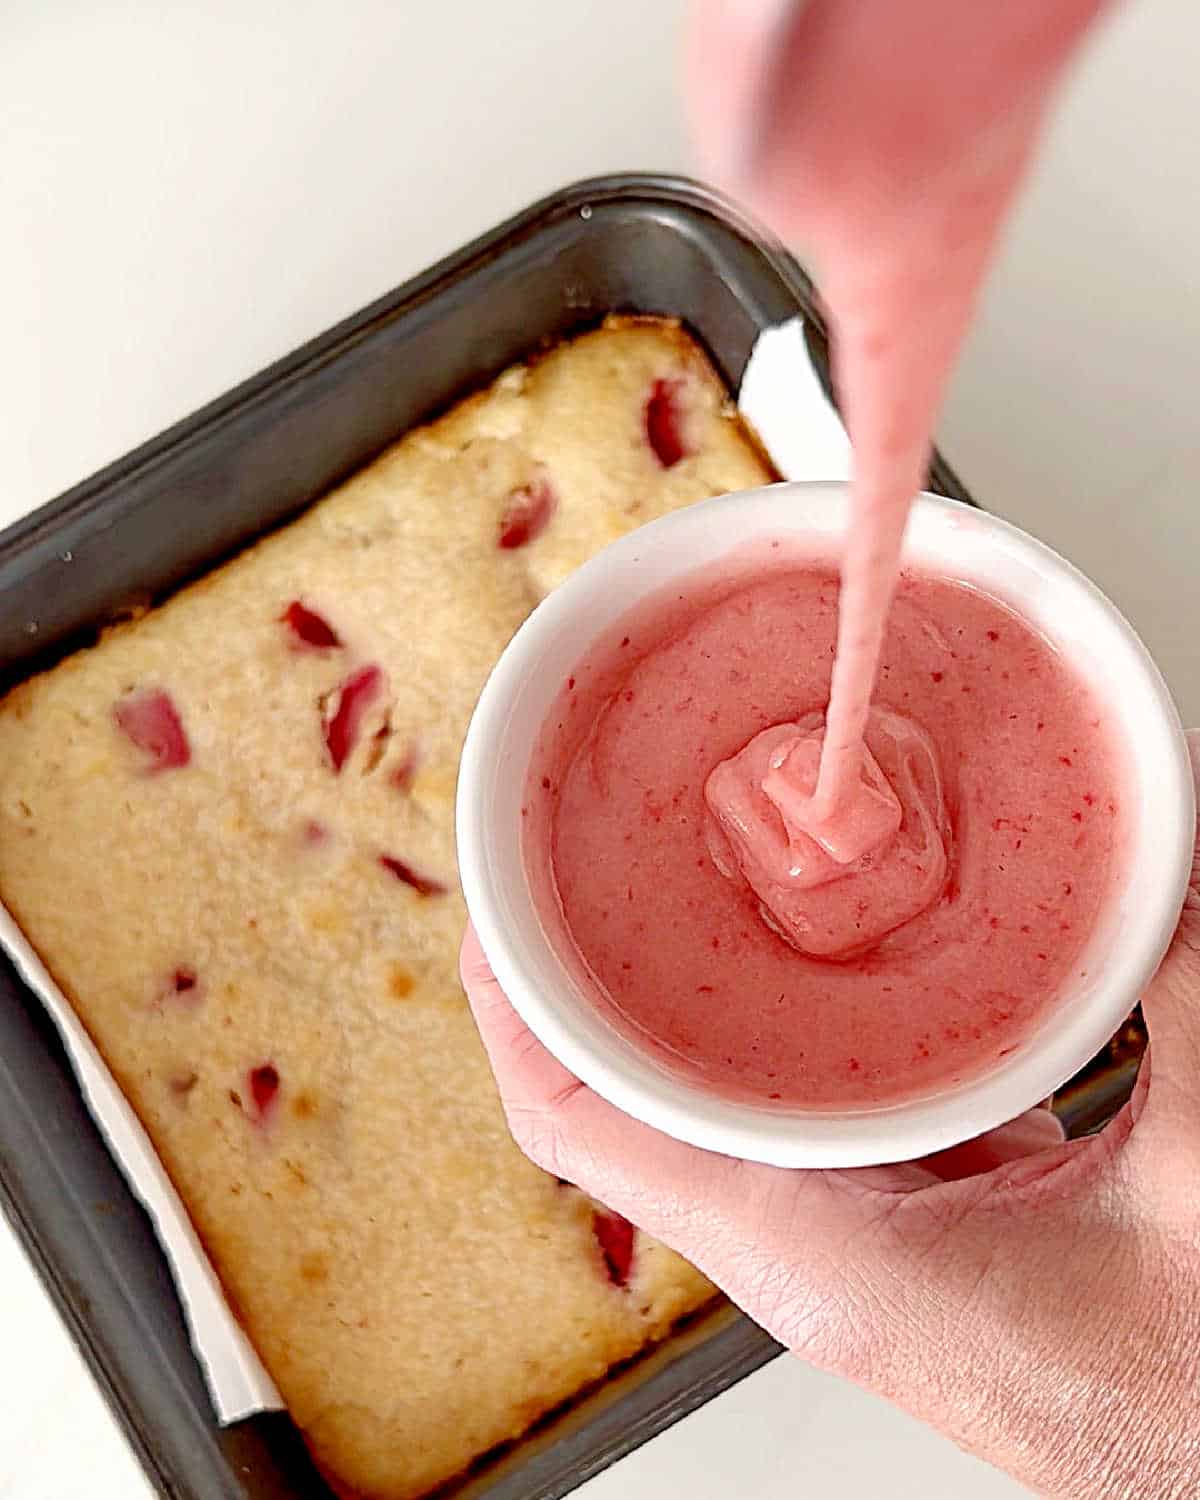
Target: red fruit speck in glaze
{"x": 354, "y": 697}
{"x": 314, "y": 832}
{"x": 151, "y": 721}
{"x": 937, "y": 676}
{"x": 422, "y": 884}
{"x": 664, "y": 423}
{"x": 264, "y": 1085}
{"x": 184, "y": 980}
{"x": 614, "y": 1235}
{"x": 309, "y": 629}
{"x": 526, "y": 515}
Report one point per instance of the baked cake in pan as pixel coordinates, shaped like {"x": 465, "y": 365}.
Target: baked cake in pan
{"x": 228, "y": 829}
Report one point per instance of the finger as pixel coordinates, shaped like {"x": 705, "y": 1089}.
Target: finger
{"x": 526, "y": 1072}
{"x": 1141, "y": 1087}
{"x": 1172, "y": 1006}
{"x": 1037, "y": 1130}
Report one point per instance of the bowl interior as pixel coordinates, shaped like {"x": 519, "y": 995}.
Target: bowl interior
{"x": 544, "y": 978}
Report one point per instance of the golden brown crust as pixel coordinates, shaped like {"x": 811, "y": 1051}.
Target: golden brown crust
{"x": 419, "y": 1292}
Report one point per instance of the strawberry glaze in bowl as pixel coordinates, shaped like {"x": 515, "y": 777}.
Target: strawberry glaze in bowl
{"x": 549, "y": 985}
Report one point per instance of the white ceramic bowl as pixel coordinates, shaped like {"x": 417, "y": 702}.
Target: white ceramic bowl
{"x": 943, "y": 538}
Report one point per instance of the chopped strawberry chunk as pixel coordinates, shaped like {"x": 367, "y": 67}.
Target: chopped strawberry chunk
{"x": 151, "y": 721}
{"x": 664, "y": 423}
{"x": 406, "y": 769}
{"x": 614, "y": 1235}
{"x": 422, "y": 884}
{"x": 180, "y": 989}
{"x": 264, "y": 1085}
{"x": 527, "y": 514}
{"x": 309, "y": 628}
{"x": 353, "y": 698}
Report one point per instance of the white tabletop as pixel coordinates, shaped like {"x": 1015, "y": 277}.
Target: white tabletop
{"x": 189, "y": 190}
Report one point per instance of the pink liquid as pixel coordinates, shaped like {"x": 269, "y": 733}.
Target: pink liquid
{"x": 895, "y": 175}
{"x": 682, "y": 952}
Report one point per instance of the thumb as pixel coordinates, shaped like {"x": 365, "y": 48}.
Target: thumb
{"x": 1172, "y": 1009}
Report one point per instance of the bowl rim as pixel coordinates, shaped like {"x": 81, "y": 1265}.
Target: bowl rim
{"x": 630, "y": 1080}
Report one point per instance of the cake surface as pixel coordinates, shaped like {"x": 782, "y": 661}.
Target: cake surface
{"x": 229, "y": 831}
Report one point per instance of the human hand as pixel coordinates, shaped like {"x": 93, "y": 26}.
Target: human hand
{"x": 1037, "y": 1300}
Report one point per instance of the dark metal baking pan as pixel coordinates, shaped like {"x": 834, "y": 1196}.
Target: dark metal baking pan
{"x": 169, "y": 511}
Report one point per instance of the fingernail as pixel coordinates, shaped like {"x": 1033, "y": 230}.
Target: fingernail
{"x": 1039, "y": 1127}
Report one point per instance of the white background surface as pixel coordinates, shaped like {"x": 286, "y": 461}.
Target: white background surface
{"x": 188, "y": 190}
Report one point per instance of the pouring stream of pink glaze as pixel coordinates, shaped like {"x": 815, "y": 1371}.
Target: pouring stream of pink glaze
{"x": 889, "y": 140}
